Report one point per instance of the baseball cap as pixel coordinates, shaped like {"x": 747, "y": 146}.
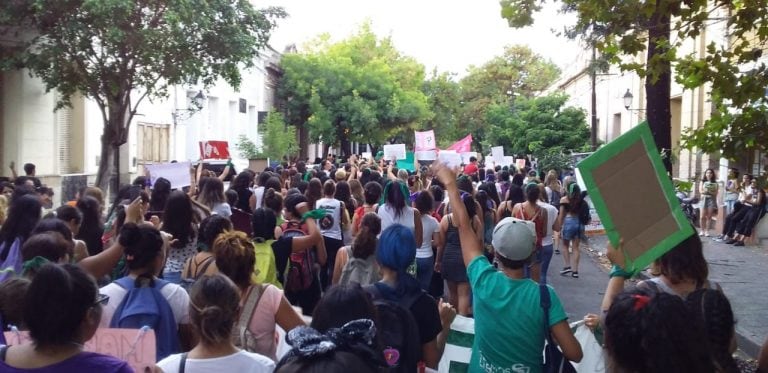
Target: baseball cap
{"x": 514, "y": 239}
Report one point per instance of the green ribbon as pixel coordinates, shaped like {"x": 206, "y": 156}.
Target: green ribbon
{"x": 33, "y": 264}
{"x": 314, "y": 214}
{"x": 403, "y": 189}
{"x": 307, "y": 175}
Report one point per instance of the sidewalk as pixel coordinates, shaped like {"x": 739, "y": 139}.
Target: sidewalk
{"x": 739, "y": 270}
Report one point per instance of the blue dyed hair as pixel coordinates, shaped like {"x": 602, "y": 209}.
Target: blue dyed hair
{"x": 397, "y": 251}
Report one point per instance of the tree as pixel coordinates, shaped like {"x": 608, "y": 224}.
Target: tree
{"x": 540, "y": 126}
{"x": 519, "y": 72}
{"x": 360, "y": 89}
{"x": 444, "y": 98}
{"x": 278, "y": 139}
{"x": 120, "y": 52}
{"x": 622, "y": 29}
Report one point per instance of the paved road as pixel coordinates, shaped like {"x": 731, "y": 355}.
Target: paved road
{"x": 739, "y": 270}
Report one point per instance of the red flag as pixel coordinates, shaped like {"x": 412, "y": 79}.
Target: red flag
{"x": 214, "y": 150}
{"x": 463, "y": 145}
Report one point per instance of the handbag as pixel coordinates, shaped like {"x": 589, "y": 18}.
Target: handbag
{"x": 554, "y": 361}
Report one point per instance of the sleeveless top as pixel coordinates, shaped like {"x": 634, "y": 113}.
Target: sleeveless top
{"x": 541, "y": 224}
{"x": 330, "y": 224}
{"x": 388, "y": 218}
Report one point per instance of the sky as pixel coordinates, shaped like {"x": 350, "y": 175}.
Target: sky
{"x": 450, "y": 35}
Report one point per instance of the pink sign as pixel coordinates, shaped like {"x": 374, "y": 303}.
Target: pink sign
{"x": 135, "y": 346}
{"x": 425, "y": 140}
{"x": 520, "y": 163}
{"x": 463, "y": 145}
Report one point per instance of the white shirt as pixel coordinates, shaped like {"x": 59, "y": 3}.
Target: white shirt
{"x": 330, "y": 225}
{"x": 240, "y": 362}
{"x": 388, "y": 218}
{"x": 222, "y": 209}
{"x": 551, "y": 217}
{"x": 175, "y": 295}
{"x": 429, "y": 226}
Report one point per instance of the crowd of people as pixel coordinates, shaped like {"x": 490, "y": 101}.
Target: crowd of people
{"x": 380, "y": 259}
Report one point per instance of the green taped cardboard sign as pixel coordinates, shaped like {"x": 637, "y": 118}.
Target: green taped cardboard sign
{"x": 634, "y": 197}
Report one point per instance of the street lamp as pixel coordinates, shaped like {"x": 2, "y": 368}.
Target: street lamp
{"x": 194, "y": 105}
{"x": 627, "y": 99}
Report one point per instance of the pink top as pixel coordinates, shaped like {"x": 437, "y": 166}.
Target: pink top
{"x": 263, "y": 321}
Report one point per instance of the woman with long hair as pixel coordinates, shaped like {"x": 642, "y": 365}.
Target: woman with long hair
{"x": 396, "y": 210}
{"x": 214, "y": 308}
{"x": 430, "y": 227}
{"x": 23, "y": 216}
{"x": 92, "y": 227}
{"x": 159, "y": 196}
{"x": 265, "y": 229}
{"x": 235, "y": 258}
{"x": 531, "y": 211}
{"x": 572, "y": 229}
{"x": 212, "y": 196}
{"x": 515, "y": 195}
{"x": 708, "y": 190}
{"x": 372, "y": 196}
{"x": 246, "y": 199}
{"x": 362, "y": 248}
{"x": 745, "y": 226}
{"x": 204, "y": 263}
{"x": 344, "y": 194}
{"x": 357, "y": 192}
{"x": 184, "y": 231}
{"x": 314, "y": 191}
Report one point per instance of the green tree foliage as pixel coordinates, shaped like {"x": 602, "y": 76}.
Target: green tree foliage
{"x": 732, "y": 69}
{"x": 360, "y": 89}
{"x": 519, "y": 72}
{"x": 444, "y": 99}
{"x": 540, "y": 126}
{"x": 278, "y": 139}
{"x": 119, "y": 52}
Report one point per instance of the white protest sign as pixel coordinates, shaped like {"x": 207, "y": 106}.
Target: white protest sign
{"x": 177, "y": 173}
{"x": 396, "y": 151}
{"x": 135, "y": 346}
{"x": 466, "y": 156}
{"x": 508, "y": 160}
{"x": 449, "y": 158}
{"x": 367, "y": 155}
{"x": 490, "y": 162}
{"x": 426, "y": 155}
{"x": 498, "y": 154}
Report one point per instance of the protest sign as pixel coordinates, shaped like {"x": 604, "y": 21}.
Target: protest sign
{"x": 426, "y": 155}
{"x": 214, "y": 150}
{"x": 466, "y": 156}
{"x": 462, "y": 146}
{"x": 177, "y": 173}
{"x": 407, "y": 162}
{"x": 520, "y": 163}
{"x": 449, "y": 158}
{"x": 424, "y": 140}
{"x": 458, "y": 346}
{"x": 490, "y": 162}
{"x": 616, "y": 176}
{"x": 135, "y": 346}
{"x": 396, "y": 151}
{"x": 498, "y": 154}
{"x": 366, "y": 155}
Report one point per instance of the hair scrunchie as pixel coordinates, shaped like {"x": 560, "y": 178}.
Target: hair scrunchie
{"x": 309, "y": 343}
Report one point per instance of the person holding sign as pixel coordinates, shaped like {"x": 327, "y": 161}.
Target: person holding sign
{"x": 708, "y": 190}
{"x": 62, "y": 309}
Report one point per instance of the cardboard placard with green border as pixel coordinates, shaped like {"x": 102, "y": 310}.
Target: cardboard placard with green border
{"x": 634, "y": 197}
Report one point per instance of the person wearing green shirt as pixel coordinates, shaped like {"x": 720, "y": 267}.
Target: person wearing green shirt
{"x": 507, "y": 310}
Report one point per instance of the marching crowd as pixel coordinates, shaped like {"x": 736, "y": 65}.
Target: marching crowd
{"x": 382, "y": 260}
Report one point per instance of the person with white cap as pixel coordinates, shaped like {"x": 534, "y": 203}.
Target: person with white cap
{"x": 507, "y": 309}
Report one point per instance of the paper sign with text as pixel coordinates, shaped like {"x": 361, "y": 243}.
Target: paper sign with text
{"x": 498, "y": 154}
{"x": 425, "y": 140}
{"x": 396, "y": 151}
{"x": 132, "y": 345}
{"x": 367, "y": 155}
{"x": 466, "y": 156}
{"x": 177, "y": 173}
{"x": 214, "y": 150}
{"x": 449, "y": 158}
{"x": 520, "y": 163}
{"x": 426, "y": 155}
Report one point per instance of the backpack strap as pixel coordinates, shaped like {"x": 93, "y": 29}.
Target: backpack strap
{"x": 546, "y": 302}
{"x": 246, "y": 315}
{"x": 183, "y": 362}
{"x": 3, "y": 351}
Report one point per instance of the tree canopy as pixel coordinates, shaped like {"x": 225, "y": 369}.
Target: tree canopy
{"x": 119, "y": 52}
{"x": 360, "y": 89}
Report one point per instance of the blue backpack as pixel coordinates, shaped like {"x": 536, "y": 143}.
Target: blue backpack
{"x": 146, "y": 306}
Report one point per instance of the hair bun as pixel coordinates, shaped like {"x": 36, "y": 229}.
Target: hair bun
{"x": 130, "y": 235}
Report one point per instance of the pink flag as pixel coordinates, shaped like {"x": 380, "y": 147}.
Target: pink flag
{"x": 463, "y": 145}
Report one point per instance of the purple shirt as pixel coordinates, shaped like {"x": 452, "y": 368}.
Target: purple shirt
{"x": 82, "y": 362}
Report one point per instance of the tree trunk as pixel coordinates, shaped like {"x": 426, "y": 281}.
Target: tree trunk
{"x": 105, "y": 162}
{"x": 303, "y": 142}
{"x": 658, "y": 86}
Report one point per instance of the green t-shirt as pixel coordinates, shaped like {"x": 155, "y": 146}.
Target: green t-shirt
{"x": 509, "y": 335}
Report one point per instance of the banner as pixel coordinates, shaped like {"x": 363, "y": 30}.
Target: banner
{"x": 425, "y": 140}
{"x": 396, "y": 151}
{"x": 214, "y": 150}
{"x": 135, "y": 346}
{"x": 463, "y": 145}
{"x": 177, "y": 173}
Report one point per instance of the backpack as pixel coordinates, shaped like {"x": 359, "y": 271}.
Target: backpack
{"x": 242, "y": 337}
{"x": 585, "y": 216}
{"x": 555, "y": 200}
{"x": 187, "y": 280}
{"x": 361, "y": 271}
{"x": 299, "y": 273}
{"x": 398, "y": 331}
{"x": 146, "y": 306}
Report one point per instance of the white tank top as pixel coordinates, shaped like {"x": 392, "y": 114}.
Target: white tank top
{"x": 330, "y": 225}
{"x": 388, "y": 218}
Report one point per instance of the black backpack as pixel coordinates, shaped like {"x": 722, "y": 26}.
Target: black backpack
{"x": 398, "y": 331}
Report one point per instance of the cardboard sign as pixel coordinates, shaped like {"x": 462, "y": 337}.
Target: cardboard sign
{"x": 135, "y": 346}
{"x": 177, "y": 173}
{"x": 634, "y": 197}
{"x": 425, "y": 140}
{"x": 462, "y": 146}
{"x": 426, "y": 155}
{"x": 498, "y": 154}
{"x": 520, "y": 163}
{"x": 396, "y": 151}
{"x": 214, "y": 150}
{"x": 450, "y": 158}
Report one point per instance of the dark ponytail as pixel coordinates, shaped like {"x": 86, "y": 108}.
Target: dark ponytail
{"x": 142, "y": 245}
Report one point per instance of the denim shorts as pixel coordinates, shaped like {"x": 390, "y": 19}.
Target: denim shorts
{"x": 572, "y": 228}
